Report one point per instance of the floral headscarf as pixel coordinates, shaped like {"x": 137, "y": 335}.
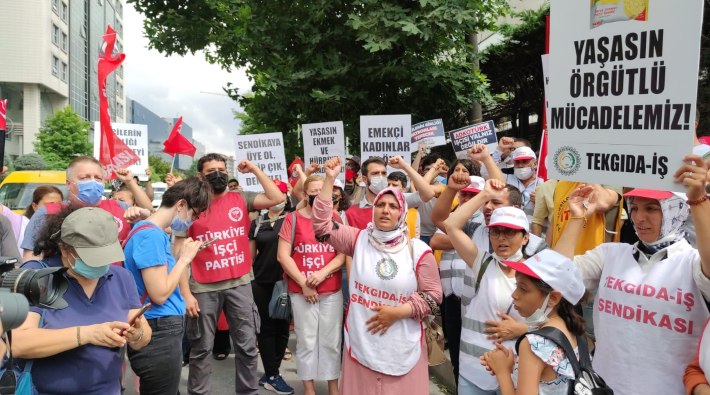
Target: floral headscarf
{"x": 389, "y": 240}
{"x": 675, "y": 212}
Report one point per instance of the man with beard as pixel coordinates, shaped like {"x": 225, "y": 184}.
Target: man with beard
{"x": 221, "y": 274}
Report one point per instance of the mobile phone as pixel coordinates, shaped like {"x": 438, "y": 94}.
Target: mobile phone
{"x": 142, "y": 311}
{"x": 208, "y": 242}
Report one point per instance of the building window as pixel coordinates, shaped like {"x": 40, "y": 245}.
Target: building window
{"x": 55, "y": 34}
{"x": 55, "y": 6}
{"x": 65, "y": 69}
{"x": 65, "y": 41}
{"x": 55, "y": 66}
{"x": 119, "y": 89}
{"x": 65, "y": 12}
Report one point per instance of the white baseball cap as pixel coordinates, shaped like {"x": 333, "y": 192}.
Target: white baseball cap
{"x": 523, "y": 153}
{"x": 338, "y": 184}
{"x": 510, "y": 217}
{"x": 555, "y": 269}
{"x": 476, "y": 185}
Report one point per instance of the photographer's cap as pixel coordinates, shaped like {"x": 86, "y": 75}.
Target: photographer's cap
{"x": 94, "y": 235}
{"x": 555, "y": 269}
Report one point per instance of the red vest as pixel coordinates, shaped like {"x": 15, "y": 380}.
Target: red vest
{"x": 311, "y": 256}
{"x": 109, "y": 205}
{"x": 229, "y": 257}
{"x": 359, "y": 217}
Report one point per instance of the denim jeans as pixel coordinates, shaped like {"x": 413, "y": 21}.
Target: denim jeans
{"x": 468, "y": 388}
{"x": 160, "y": 362}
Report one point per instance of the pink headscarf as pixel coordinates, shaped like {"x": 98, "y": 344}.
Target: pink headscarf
{"x": 390, "y": 240}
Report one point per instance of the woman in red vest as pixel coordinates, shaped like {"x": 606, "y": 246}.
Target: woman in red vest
{"x": 314, "y": 280}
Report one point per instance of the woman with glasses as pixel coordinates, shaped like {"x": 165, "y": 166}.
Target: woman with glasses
{"x": 314, "y": 282}
{"x": 488, "y": 283}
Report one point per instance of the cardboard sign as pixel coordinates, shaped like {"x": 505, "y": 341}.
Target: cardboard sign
{"x": 430, "y": 133}
{"x": 135, "y": 136}
{"x": 321, "y": 141}
{"x": 266, "y": 150}
{"x": 623, "y": 90}
{"x": 386, "y": 136}
{"x": 481, "y": 133}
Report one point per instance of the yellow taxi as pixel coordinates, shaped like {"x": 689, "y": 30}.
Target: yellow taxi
{"x": 17, "y": 188}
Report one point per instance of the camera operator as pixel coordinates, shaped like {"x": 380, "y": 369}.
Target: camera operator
{"x": 77, "y": 349}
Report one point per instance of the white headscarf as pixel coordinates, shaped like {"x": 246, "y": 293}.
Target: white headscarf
{"x": 675, "y": 212}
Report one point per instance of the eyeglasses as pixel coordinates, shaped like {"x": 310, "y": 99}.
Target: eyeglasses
{"x": 500, "y": 231}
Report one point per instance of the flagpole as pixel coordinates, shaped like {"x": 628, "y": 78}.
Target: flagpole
{"x": 172, "y": 163}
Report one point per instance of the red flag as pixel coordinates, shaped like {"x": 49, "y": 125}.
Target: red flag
{"x": 3, "y": 116}
{"x": 113, "y": 153}
{"x": 292, "y": 173}
{"x": 177, "y": 143}
{"x": 542, "y": 160}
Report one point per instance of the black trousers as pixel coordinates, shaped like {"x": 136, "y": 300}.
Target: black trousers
{"x": 273, "y": 337}
{"x": 159, "y": 364}
{"x": 451, "y": 317}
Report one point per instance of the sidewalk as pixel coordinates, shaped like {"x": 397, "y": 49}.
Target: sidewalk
{"x": 223, "y": 377}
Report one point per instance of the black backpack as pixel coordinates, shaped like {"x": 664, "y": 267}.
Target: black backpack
{"x": 586, "y": 381}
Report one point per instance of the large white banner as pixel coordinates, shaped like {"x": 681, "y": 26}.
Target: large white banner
{"x": 321, "y": 141}
{"x": 622, "y": 91}
{"x": 265, "y": 150}
{"x": 135, "y": 136}
{"x": 386, "y": 136}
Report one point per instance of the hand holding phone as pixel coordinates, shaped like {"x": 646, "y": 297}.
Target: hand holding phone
{"x": 208, "y": 242}
{"x": 135, "y": 318}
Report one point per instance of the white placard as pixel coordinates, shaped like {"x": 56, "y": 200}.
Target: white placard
{"x": 622, "y": 96}
{"x": 321, "y": 141}
{"x": 135, "y": 136}
{"x": 265, "y": 150}
{"x": 386, "y": 136}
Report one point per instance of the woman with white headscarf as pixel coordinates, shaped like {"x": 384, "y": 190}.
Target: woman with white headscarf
{"x": 394, "y": 284}
{"x": 651, "y": 300}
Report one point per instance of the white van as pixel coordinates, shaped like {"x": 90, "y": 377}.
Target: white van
{"x": 158, "y": 189}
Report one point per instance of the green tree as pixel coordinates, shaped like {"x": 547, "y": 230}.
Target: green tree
{"x": 326, "y": 60}
{"x": 30, "y": 162}
{"x": 158, "y": 167}
{"x": 64, "y": 136}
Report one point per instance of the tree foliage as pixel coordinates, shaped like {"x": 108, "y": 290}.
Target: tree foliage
{"x": 30, "y": 162}
{"x": 64, "y": 136}
{"x": 326, "y": 60}
{"x": 158, "y": 168}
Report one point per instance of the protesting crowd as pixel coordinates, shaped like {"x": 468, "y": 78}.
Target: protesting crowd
{"x": 532, "y": 281}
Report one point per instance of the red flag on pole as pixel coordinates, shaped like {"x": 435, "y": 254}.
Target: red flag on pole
{"x": 3, "y": 116}
{"x": 292, "y": 173}
{"x": 113, "y": 153}
{"x": 177, "y": 143}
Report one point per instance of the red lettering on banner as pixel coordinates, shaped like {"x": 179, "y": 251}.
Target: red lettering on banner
{"x": 641, "y": 315}
{"x": 379, "y": 294}
{"x": 649, "y": 291}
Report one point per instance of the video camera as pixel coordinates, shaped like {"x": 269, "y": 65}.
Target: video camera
{"x": 20, "y": 288}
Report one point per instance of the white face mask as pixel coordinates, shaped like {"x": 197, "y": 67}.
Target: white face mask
{"x": 377, "y": 184}
{"x": 523, "y": 173}
{"x": 539, "y": 317}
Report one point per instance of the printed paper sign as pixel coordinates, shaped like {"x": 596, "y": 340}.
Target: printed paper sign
{"x": 135, "y": 136}
{"x": 321, "y": 141}
{"x": 481, "y": 133}
{"x": 623, "y": 90}
{"x": 386, "y": 136}
{"x": 265, "y": 150}
{"x": 430, "y": 133}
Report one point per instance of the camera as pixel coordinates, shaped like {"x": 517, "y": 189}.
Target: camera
{"x": 20, "y": 288}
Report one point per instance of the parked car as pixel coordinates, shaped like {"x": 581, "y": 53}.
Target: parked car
{"x": 17, "y": 188}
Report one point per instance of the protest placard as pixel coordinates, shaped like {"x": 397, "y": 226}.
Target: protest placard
{"x": 623, "y": 89}
{"x": 430, "y": 133}
{"x": 266, "y": 150}
{"x": 386, "y": 136}
{"x": 321, "y": 141}
{"x": 135, "y": 136}
{"x": 481, "y": 133}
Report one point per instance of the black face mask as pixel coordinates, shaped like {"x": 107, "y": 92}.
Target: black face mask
{"x": 218, "y": 181}
{"x": 349, "y": 189}
{"x": 311, "y": 199}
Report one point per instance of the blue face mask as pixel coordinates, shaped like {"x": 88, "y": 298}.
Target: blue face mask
{"x": 90, "y": 191}
{"x": 441, "y": 180}
{"x": 179, "y": 224}
{"x": 88, "y": 272}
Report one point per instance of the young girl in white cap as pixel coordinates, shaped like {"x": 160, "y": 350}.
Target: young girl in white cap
{"x": 548, "y": 286}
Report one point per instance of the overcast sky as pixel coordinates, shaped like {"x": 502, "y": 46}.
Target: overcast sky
{"x": 171, "y": 86}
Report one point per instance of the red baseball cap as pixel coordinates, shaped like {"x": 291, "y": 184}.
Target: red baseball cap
{"x": 648, "y": 193}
